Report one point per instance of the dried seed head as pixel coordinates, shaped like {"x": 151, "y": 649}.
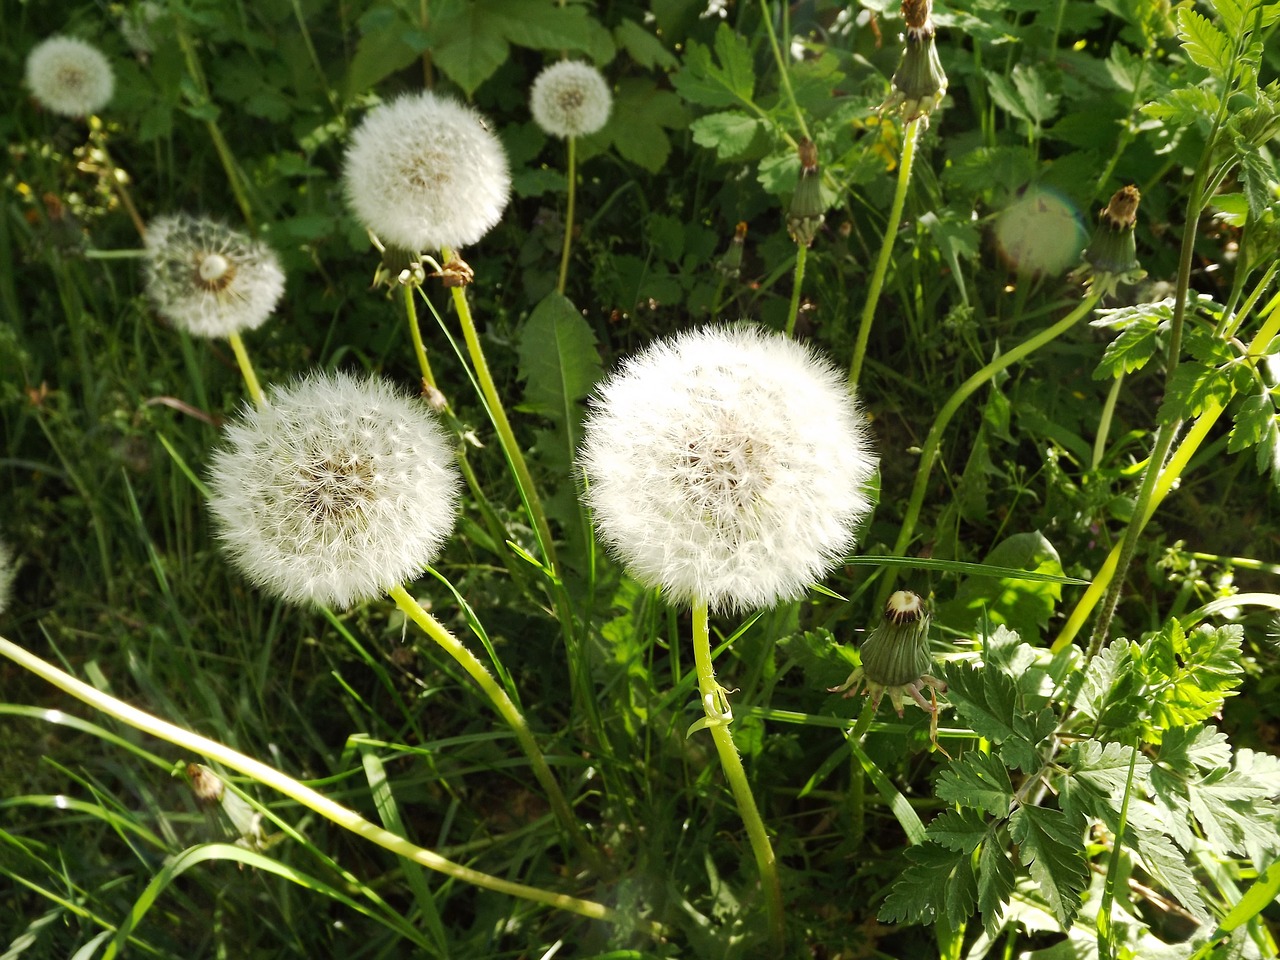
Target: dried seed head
{"x": 69, "y": 77}
{"x": 570, "y": 99}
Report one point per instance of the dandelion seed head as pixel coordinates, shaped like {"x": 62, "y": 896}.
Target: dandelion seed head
{"x": 423, "y": 172}
{"x": 69, "y": 76}
{"x": 208, "y": 279}
{"x": 727, "y": 465}
{"x": 335, "y": 491}
{"x": 570, "y": 99}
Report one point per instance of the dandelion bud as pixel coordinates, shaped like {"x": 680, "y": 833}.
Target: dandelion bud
{"x": 731, "y": 263}
{"x": 807, "y": 209}
{"x": 423, "y": 172}
{"x": 335, "y": 491}
{"x": 570, "y": 99}
{"x": 1112, "y": 255}
{"x": 69, "y": 77}
{"x": 208, "y": 279}
{"x": 727, "y": 465}
{"x": 920, "y": 83}
{"x": 895, "y": 658}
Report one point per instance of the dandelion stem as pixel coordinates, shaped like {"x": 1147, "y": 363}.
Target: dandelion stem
{"x": 784, "y": 77}
{"x": 506, "y": 436}
{"x": 909, "y": 137}
{"x": 419, "y": 348}
{"x": 716, "y": 705}
{"x": 568, "y": 216}
{"x": 802, "y": 254}
{"x": 246, "y": 368}
{"x": 509, "y": 711}
{"x": 311, "y": 799}
{"x": 929, "y": 449}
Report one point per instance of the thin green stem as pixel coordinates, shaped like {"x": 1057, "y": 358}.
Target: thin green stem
{"x": 784, "y": 77}
{"x": 509, "y": 712}
{"x": 568, "y": 216}
{"x": 506, "y": 436}
{"x": 1104, "y": 422}
{"x": 802, "y": 254}
{"x": 715, "y": 703}
{"x": 246, "y": 369}
{"x": 929, "y": 449}
{"x": 311, "y": 799}
{"x": 419, "y": 348}
{"x": 909, "y": 137}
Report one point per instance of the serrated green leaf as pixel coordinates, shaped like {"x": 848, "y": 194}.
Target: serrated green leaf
{"x": 642, "y": 113}
{"x": 1109, "y": 693}
{"x": 729, "y": 133}
{"x": 1051, "y": 848}
{"x": 984, "y": 699}
{"x": 1205, "y": 44}
{"x": 1040, "y": 104}
{"x": 644, "y": 48}
{"x": 1105, "y": 767}
{"x": 469, "y": 45}
{"x": 1183, "y": 748}
{"x": 937, "y": 882}
{"x": 1131, "y": 350}
{"x": 995, "y": 885}
{"x": 1005, "y": 96}
{"x": 1193, "y": 387}
{"x": 1255, "y": 418}
{"x": 727, "y": 83}
{"x": 824, "y": 660}
{"x": 1185, "y": 106}
{"x": 1235, "y": 811}
{"x": 1189, "y": 676}
{"x": 959, "y": 830}
{"x": 1259, "y": 181}
{"x": 381, "y": 50}
{"x": 1163, "y": 860}
{"x": 977, "y": 780}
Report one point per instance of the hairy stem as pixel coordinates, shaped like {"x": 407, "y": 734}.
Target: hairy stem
{"x": 802, "y": 254}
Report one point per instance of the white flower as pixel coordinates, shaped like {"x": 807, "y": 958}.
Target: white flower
{"x": 727, "y": 465}
{"x": 69, "y": 76}
{"x": 423, "y": 172}
{"x": 335, "y": 491}
{"x": 137, "y": 27}
{"x": 208, "y": 279}
{"x": 570, "y": 99}
{"x": 8, "y": 570}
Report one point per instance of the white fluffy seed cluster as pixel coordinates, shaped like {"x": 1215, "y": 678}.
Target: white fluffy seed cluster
{"x": 335, "y": 491}
{"x": 208, "y": 279}
{"x": 423, "y": 172}
{"x": 727, "y": 465}
{"x": 570, "y": 99}
{"x": 69, "y": 77}
{"x": 8, "y": 570}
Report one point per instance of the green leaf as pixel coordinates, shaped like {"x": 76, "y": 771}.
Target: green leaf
{"x": 730, "y": 82}
{"x": 1185, "y": 106}
{"x": 1188, "y": 677}
{"x": 644, "y": 48}
{"x": 1259, "y": 181}
{"x": 995, "y": 884}
{"x": 642, "y": 113}
{"x": 1183, "y": 748}
{"x": 1105, "y": 767}
{"x": 1005, "y": 96}
{"x": 1254, "y": 421}
{"x": 1051, "y": 847}
{"x": 985, "y": 699}
{"x": 1109, "y": 692}
{"x": 1023, "y": 605}
{"x": 730, "y": 134}
{"x": 977, "y": 780}
{"x": 1132, "y": 349}
{"x": 1161, "y": 859}
{"x": 1040, "y": 104}
{"x": 384, "y": 47}
{"x": 937, "y": 882}
{"x": 1205, "y": 44}
{"x": 1193, "y": 387}
{"x": 1260, "y": 895}
{"x": 824, "y": 659}
{"x": 469, "y": 45}
{"x": 960, "y": 830}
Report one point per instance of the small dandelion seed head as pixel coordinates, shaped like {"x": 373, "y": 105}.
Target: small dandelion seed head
{"x": 727, "y": 465}
{"x": 423, "y": 172}
{"x": 69, "y": 76}
{"x": 208, "y": 279}
{"x": 335, "y": 491}
{"x": 570, "y": 99}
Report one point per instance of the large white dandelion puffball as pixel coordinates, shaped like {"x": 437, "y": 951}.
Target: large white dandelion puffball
{"x": 208, "y": 279}
{"x": 570, "y": 99}
{"x": 727, "y": 465}
{"x": 335, "y": 491}
{"x": 69, "y": 76}
{"x": 423, "y": 172}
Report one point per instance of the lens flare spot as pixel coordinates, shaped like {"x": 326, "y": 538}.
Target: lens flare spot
{"x": 1039, "y": 233}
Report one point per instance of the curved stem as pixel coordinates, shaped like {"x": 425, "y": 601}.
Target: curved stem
{"x": 419, "y": 348}
{"x": 715, "y": 703}
{"x": 568, "y": 217}
{"x": 506, "y": 436}
{"x": 311, "y": 799}
{"x": 929, "y": 449}
{"x": 784, "y": 77}
{"x": 909, "y": 137}
{"x": 246, "y": 369}
{"x": 509, "y": 712}
{"x": 802, "y": 254}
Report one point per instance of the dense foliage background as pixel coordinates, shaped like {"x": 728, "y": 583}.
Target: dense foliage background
{"x": 1134, "y": 780}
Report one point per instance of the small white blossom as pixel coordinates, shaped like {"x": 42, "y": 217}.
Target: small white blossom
{"x": 335, "y": 491}
{"x": 570, "y": 99}
{"x": 69, "y": 76}
{"x": 727, "y": 465}
{"x": 423, "y": 172}
{"x": 8, "y": 570}
{"x": 208, "y": 279}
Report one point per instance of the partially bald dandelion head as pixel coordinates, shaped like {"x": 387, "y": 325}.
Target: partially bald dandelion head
{"x": 424, "y": 172}
{"x": 69, "y": 76}
{"x": 335, "y": 491}
{"x": 208, "y": 279}
{"x": 727, "y": 465}
{"x": 570, "y": 99}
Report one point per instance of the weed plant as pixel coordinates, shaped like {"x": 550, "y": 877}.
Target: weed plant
{"x": 1029, "y": 714}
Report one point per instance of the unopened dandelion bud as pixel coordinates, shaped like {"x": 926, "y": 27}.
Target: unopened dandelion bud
{"x": 807, "y": 209}
{"x": 896, "y": 658}
{"x": 731, "y": 263}
{"x": 920, "y": 83}
{"x": 1112, "y": 256}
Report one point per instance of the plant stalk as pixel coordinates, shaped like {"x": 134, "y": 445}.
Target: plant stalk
{"x": 802, "y": 254}
{"x": 246, "y": 369}
{"x": 568, "y": 217}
